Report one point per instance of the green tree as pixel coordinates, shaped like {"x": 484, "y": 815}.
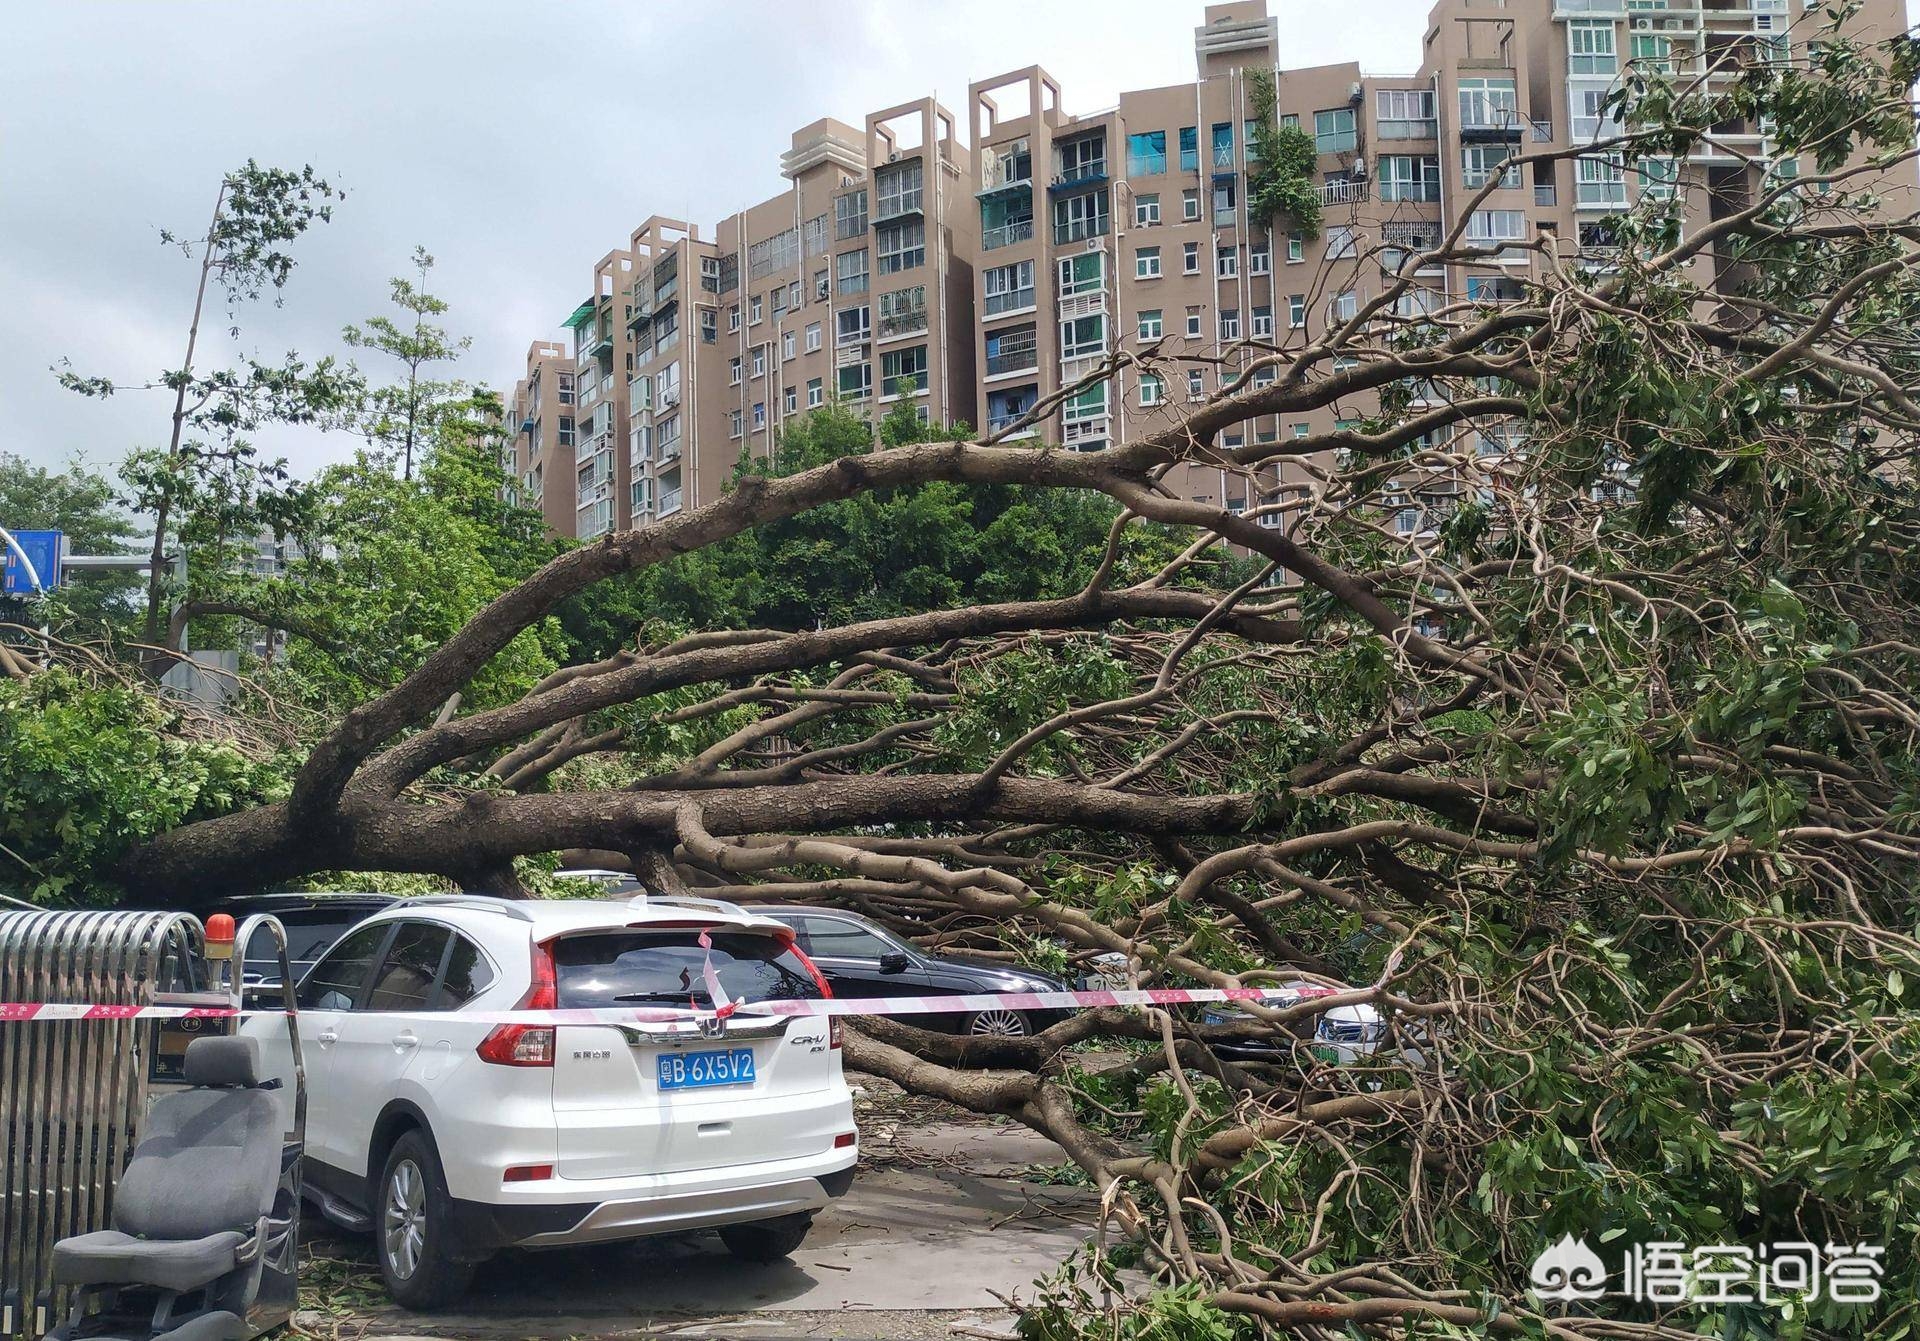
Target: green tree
{"x": 257, "y": 213}
{"x": 400, "y": 416}
{"x": 83, "y": 504}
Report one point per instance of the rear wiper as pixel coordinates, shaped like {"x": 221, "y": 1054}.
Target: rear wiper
{"x": 658, "y": 996}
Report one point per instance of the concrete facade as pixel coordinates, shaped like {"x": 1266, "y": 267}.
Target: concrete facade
{"x": 996, "y": 276}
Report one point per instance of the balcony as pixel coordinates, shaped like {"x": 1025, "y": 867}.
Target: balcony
{"x": 1490, "y": 122}
{"x": 669, "y": 451}
{"x": 1000, "y": 423}
{"x": 1013, "y": 300}
{"x": 1345, "y": 192}
{"x": 1020, "y": 230}
{"x": 669, "y": 503}
{"x": 1589, "y": 9}
{"x": 1025, "y": 359}
{"x": 1082, "y": 431}
{"x": 1083, "y": 177}
{"x": 1080, "y": 230}
{"x": 1082, "y": 305}
{"x": 905, "y": 205}
{"x": 847, "y": 353}
{"x": 894, "y": 325}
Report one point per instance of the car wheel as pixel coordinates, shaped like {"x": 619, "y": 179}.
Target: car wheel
{"x": 411, "y": 1230}
{"x": 766, "y": 1240}
{"x": 998, "y": 1024}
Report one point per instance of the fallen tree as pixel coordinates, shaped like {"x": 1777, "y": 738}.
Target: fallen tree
{"x": 1562, "y": 711}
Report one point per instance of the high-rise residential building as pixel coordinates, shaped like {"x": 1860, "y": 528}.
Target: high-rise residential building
{"x": 994, "y": 277}
{"x": 541, "y": 422}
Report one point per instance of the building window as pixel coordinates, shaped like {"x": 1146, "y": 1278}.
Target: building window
{"x": 1296, "y": 248}
{"x": 733, "y": 319}
{"x": 779, "y": 252}
{"x": 1190, "y": 204}
{"x": 1343, "y": 306}
{"x": 813, "y": 337}
{"x": 1590, "y": 47}
{"x": 1082, "y": 158}
{"x": 1147, "y": 154}
{"x": 788, "y": 343}
{"x": 1260, "y": 256}
{"x": 1414, "y": 177}
{"x": 1600, "y": 182}
{"x": 1196, "y": 384}
{"x": 1189, "y": 148}
{"x": 1083, "y": 337}
{"x": 1009, "y": 288}
{"x": 1190, "y": 257}
{"x": 1226, "y": 263}
{"x": 1146, "y": 263}
{"x": 733, "y": 423}
{"x": 1015, "y": 349}
{"x": 1333, "y": 131}
{"x": 1497, "y": 226}
{"x": 1153, "y": 391}
{"x": 901, "y": 245}
{"x": 759, "y": 360}
{"x": 1342, "y": 242}
{"x": 759, "y": 415}
{"x": 856, "y": 383}
{"x": 1230, "y": 323}
{"x": 896, "y": 189}
{"x": 850, "y": 216}
{"x": 1262, "y": 321}
{"x": 816, "y": 393}
{"x": 1222, "y": 142}
{"x": 822, "y": 286}
{"x": 709, "y": 325}
{"x": 1193, "y": 323}
{"x": 789, "y": 401}
{"x": 903, "y": 312}
{"x": 903, "y": 365}
{"x": 1225, "y": 196}
{"x": 566, "y": 431}
{"x": 851, "y": 267}
{"x": 755, "y": 308}
{"x": 1080, "y": 217}
{"x": 1148, "y": 324}
{"x": 1480, "y": 163}
{"x": 1488, "y": 104}
{"x": 852, "y": 326}
{"x": 733, "y": 372}
{"x": 1405, "y": 113}
{"x": 1146, "y": 211}
{"x": 1085, "y": 273}
{"x": 779, "y": 302}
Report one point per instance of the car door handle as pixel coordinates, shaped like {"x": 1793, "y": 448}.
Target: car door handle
{"x": 405, "y": 1041}
{"x": 326, "y": 1037}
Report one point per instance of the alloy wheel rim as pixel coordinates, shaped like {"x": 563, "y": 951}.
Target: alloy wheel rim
{"x": 998, "y": 1024}
{"x": 406, "y": 1219}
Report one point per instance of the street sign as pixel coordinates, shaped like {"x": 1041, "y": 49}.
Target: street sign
{"x": 42, "y": 548}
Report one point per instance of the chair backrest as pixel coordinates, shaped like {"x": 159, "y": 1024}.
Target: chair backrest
{"x": 210, "y": 1158}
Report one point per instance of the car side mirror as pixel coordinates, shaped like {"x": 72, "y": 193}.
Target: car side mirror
{"x": 894, "y": 962}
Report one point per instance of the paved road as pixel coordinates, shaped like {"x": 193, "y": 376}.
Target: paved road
{"x": 947, "y": 1221}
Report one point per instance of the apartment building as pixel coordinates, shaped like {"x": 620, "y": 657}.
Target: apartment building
{"x": 539, "y": 434}
{"x": 993, "y": 277}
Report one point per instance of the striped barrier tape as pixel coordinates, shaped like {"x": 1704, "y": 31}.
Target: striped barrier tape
{"x": 20, "y": 1012}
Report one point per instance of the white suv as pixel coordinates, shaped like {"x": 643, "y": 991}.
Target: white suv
{"x": 451, "y": 1138}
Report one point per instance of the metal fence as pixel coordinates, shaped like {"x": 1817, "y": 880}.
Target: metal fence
{"x": 73, "y": 1092}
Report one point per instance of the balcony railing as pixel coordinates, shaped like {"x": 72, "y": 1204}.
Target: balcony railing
{"x": 903, "y": 323}
{"x": 1020, "y": 230}
{"x": 896, "y": 207}
{"x": 1013, "y": 361}
{"x": 1013, "y": 300}
{"x": 1094, "y": 169}
{"x": 669, "y": 503}
{"x": 1079, "y": 230}
{"x": 1349, "y": 192}
{"x": 1007, "y": 419}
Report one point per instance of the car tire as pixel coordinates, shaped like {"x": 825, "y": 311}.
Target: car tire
{"x": 766, "y": 1240}
{"x": 998, "y": 1024}
{"x": 412, "y": 1228}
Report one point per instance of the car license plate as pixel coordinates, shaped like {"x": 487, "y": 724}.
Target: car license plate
{"x": 713, "y": 1066}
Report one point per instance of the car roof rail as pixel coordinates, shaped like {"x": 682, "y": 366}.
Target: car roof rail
{"x": 483, "y": 903}
{"x": 688, "y": 901}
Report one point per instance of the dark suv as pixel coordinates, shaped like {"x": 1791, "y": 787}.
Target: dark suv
{"x": 863, "y": 959}
{"x": 313, "y": 922}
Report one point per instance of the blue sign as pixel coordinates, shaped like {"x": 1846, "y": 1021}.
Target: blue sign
{"x": 43, "y": 550}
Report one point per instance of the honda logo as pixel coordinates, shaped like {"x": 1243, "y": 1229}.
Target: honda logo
{"x": 713, "y": 1026}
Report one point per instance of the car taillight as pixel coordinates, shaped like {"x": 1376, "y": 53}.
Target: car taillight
{"x": 819, "y": 978}
{"x": 526, "y": 1044}
{"x": 833, "y": 1031}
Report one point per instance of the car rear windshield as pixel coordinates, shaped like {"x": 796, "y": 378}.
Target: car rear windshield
{"x": 623, "y": 968}
{"x": 310, "y": 933}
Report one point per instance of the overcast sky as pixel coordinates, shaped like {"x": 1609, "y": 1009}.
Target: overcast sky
{"x": 518, "y": 143}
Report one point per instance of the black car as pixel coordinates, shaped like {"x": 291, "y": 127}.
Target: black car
{"x": 313, "y": 922}
{"x": 863, "y": 959}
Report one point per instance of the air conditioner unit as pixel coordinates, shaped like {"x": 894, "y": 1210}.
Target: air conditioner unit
{"x": 894, "y": 157}
{"x": 1674, "y": 25}
{"x": 670, "y": 396}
